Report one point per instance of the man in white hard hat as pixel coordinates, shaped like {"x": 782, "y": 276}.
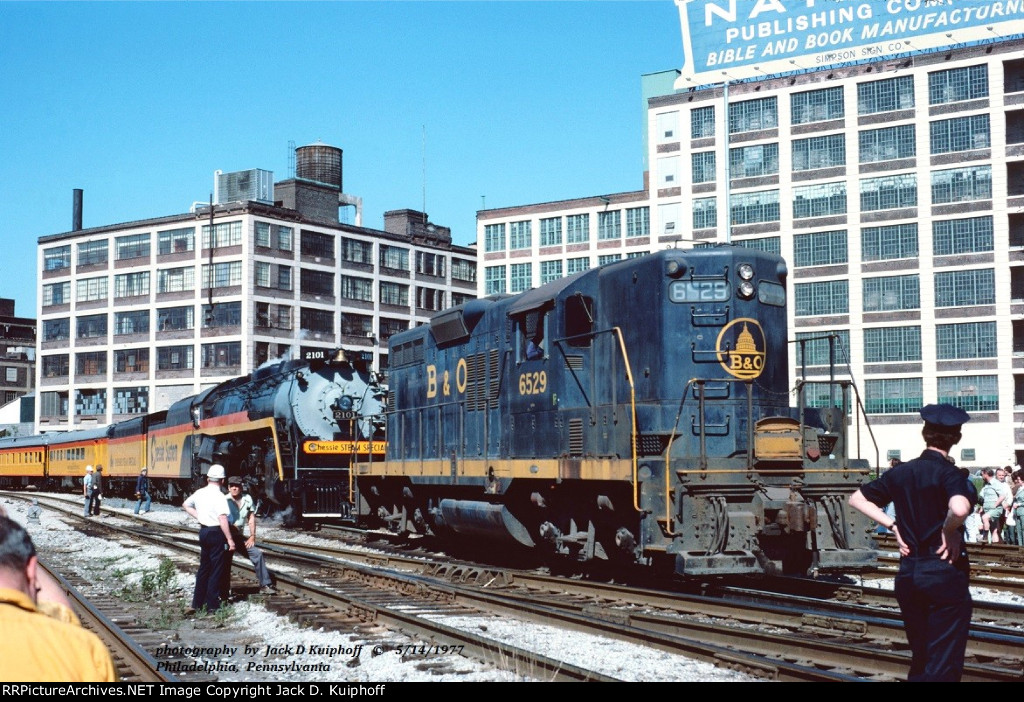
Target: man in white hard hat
{"x": 87, "y": 489}
{"x": 210, "y": 507}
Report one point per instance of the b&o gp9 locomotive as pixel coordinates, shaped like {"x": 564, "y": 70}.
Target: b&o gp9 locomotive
{"x": 637, "y": 412}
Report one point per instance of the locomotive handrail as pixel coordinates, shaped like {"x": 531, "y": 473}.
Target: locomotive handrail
{"x": 700, "y": 383}
{"x": 617, "y": 331}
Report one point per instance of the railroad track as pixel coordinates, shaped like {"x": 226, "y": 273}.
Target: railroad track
{"x": 786, "y": 638}
{"x": 105, "y": 618}
{"x": 836, "y": 639}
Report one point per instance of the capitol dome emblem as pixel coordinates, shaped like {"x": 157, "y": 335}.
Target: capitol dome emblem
{"x": 742, "y": 348}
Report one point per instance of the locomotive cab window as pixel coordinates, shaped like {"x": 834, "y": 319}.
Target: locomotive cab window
{"x": 579, "y": 320}
{"x": 532, "y": 336}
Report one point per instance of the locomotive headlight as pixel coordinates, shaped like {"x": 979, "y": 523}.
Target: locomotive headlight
{"x": 674, "y": 269}
{"x": 745, "y": 271}
{"x": 345, "y": 403}
{"x": 746, "y": 290}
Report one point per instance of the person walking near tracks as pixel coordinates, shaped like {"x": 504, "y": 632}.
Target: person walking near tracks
{"x": 87, "y": 486}
{"x": 242, "y": 513}
{"x": 142, "y": 492}
{"x": 932, "y": 501}
{"x": 97, "y": 491}
{"x": 209, "y": 506}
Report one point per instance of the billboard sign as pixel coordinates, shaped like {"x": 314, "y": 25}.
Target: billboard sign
{"x": 727, "y": 40}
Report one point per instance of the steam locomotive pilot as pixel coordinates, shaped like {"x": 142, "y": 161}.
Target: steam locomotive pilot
{"x": 932, "y": 501}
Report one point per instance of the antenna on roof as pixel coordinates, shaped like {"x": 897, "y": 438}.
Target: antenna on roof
{"x": 424, "y": 147}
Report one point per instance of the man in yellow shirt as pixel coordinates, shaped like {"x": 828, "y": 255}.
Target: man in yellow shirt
{"x": 33, "y": 646}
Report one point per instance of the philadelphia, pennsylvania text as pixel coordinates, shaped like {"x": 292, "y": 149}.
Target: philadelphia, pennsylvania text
{"x": 740, "y": 39}
{"x": 217, "y": 690}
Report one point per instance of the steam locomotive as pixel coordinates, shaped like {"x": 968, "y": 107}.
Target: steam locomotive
{"x": 635, "y": 413}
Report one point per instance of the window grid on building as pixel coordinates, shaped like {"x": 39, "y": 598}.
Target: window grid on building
{"x": 92, "y": 253}
{"x": 520, "y": 235}
{"x": 888, "y": 192}
{"x": 222, "y": 275}
{"x": 463, "y": 270}
{"x": 889, "y": 242}
{"x": 131, "y": 284}
{"x": 91, "y": 326}
{"x": 753, "y": 115}
{"x": 170, "y": 280}
{"x": 956, "y": 84}
{"x": 817, "y": 105}
{"x": 892, "y": 344}
{"x": 885, "y": 95}
{"x": 609, "y": 225}
{"x": 494, "y": 280}
{"x": 131, "y": 322}
{"x": 56, "y": 294}
{"x": 577, "y": 229}
{"x": 960, "y": 236}
{"x": 754, "y": 161}
{"x": 551, "y": 231}
{"x": 520, "y": 277}
{"x": 820, "y": 248}
{"x": 88, "y": 289}
{"x": 131, "y": 246}
{"x": 822, "y": 298}
{"x": 820, "y": 200}
{"x": 549, "y": 271}
{"x": 768, "y": 244}
{"x": 57, "y": 258}
{"x": 638, "y": 222}
{"x": 750, "y": 208}
{"x": 356, "y": 251}
{"x": 705, "y": 213}
{"x": 494, "y": 237}
{"x": 893, "y": 395}
{"x": 887, "y": 143}
{"x": 965, "y": 288}
{"x": 818, "y": 346}
{"x": 887, "y": 293}
{"x": 965, "y": 340}
{"x": 176, "y": 318}
{"x": 962, "y": 184}
{"x": 394, "y": 257}
{"x": 576, "y": 265}
{"x": 960, "y": 134}
{"x": 819, "y": 152}
{"x": 316, "y": 244}
{"x": 972, "y": 393}
{"x": 394, "y": 294}
{"x": 56, "y": 329}
{"x": 703, "y": 166}
{"x": 224, "y": 234}
{"x": 608, "y": 258}
{"x": 702, "y": 122}
{"x": 176, "y": 241}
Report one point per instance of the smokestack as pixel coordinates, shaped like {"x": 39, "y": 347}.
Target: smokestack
{"x": 76, "y": 211}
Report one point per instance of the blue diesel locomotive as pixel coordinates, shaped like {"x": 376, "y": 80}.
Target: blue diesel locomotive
{"x": 638, "y": 412}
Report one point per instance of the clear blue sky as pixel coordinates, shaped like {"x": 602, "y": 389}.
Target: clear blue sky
{"x": 139, "y": 103}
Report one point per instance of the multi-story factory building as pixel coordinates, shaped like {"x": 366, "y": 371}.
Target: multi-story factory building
{"x": 895, "y": 191}
{"x": 135, "y": 316}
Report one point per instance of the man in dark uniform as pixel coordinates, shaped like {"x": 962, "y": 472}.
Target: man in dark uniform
{"x": 932, "y": 501}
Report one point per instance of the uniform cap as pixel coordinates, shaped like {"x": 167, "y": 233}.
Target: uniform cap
{"x": 88, "y": 469}
{"x": 216, "y": 472}
{"x": 234, "y": 480}
{"x": 947, "y": 416}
